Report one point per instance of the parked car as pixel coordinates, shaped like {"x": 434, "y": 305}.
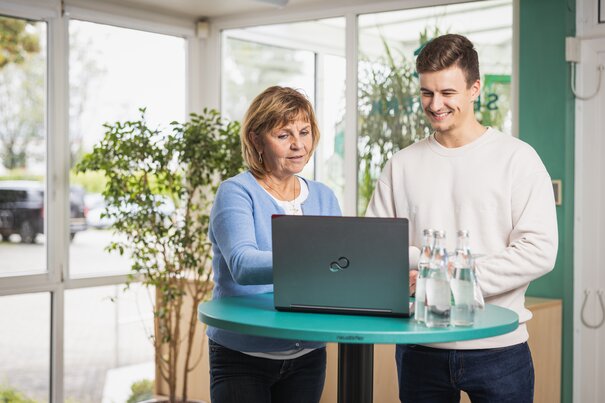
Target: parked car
{"x": 96, "y": 216}
{"x": 22, "y": 210}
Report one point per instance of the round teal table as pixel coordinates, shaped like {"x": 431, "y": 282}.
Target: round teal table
{"x": 356, "y": 334}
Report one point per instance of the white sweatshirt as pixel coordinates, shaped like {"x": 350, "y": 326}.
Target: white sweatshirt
{"x": 497, "y": 188}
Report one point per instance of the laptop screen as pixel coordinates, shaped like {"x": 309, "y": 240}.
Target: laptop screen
{"x": 356, "y": 265}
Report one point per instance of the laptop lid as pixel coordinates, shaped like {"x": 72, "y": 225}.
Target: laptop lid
{"x": 356, "y": 265}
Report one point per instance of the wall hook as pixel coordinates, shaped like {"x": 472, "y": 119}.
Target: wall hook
{"x": 600, "y": 69}
{"x": 584, "y": 322}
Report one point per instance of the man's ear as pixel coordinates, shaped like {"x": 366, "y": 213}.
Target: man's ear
{"x": 476, "y": 90}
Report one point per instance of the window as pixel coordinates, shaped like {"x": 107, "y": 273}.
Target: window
{"x": 104, "y": 330}
{"x": 308, "y": 56}
{"x": 23, "y": 63}
{"x": 107, "y": 342}
{"x": 25, "y": 346}
{"x": 112, "y": 73}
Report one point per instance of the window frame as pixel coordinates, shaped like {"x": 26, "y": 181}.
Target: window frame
{"x": 56, "y": 279}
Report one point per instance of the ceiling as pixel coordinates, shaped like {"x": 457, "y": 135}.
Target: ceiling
{"x": 486, "y": 22}
{"x": 216, "y": 8}
{"x": 492, "y": 22}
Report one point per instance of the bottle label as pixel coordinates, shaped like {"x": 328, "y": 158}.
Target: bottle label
{"x": 437, "y": 292}
{"x": 463, "y": 292}
{"x": 420, "y": 289}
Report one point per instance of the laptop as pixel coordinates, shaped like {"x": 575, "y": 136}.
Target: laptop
{"x": 351, "y": 265}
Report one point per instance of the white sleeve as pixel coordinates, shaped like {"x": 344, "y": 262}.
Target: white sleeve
{"x": 382, "y": 204}
{"x": 533, "y": 242}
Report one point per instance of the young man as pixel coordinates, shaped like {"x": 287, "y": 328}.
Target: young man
{"x": 467, "y": 176}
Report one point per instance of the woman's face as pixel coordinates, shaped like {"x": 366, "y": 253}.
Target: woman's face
{"x": 286, "y": 149}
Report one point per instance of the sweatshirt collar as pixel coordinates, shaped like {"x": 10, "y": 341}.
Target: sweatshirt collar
{"x": 453, "y": 152}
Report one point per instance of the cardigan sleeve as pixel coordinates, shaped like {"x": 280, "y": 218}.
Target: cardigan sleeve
{"x": 232, "y": 223}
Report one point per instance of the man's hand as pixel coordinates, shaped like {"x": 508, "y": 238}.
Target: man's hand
{"x": 413, "y": 277}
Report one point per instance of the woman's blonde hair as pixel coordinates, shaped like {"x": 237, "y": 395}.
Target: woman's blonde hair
{"x": 274, "y": 108}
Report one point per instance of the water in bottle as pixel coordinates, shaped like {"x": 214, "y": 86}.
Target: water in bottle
{"x": 438, "y": 293}
{"x": 428, "y": 241}
{"x": 463, "y": 283}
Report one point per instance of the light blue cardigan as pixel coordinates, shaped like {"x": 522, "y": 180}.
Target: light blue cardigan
{"x": 240, "y": 232}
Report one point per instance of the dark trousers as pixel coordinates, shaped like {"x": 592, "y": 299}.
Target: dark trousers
{"x": 236, "y": 377}
{"x": 491, "y": 375}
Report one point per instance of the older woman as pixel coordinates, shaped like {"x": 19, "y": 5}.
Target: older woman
{"x": 279, "y": 135}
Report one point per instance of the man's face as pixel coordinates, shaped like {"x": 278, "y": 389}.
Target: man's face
{"x": 447, "y": 100}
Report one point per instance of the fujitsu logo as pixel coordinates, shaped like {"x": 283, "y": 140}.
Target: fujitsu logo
{"x": 339, "y": 265}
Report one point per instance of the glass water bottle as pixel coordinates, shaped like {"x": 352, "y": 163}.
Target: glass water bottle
{"x": 463, "y": 283}
{"x": 428, "y": 242}
{"x": 437, "y": 286}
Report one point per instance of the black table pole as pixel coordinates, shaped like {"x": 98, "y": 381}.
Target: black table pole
{"x": 355, "y": 373}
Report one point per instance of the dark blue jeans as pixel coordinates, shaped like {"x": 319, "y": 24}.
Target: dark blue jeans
{"x": 236, "y": 377}
{"x": 491, "y": 375}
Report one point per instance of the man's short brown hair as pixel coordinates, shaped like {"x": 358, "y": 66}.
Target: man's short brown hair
{"x": 450, "y": 50}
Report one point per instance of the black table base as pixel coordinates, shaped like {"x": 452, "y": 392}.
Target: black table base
{"x": 355, "y": 373}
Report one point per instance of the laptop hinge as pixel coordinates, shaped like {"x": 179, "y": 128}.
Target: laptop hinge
{"x": 339, "y": 308}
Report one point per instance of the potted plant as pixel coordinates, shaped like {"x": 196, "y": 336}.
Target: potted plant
{"x": 158, "y": 192}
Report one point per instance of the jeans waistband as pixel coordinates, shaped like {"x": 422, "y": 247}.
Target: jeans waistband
{"x": 420, "y": 347}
